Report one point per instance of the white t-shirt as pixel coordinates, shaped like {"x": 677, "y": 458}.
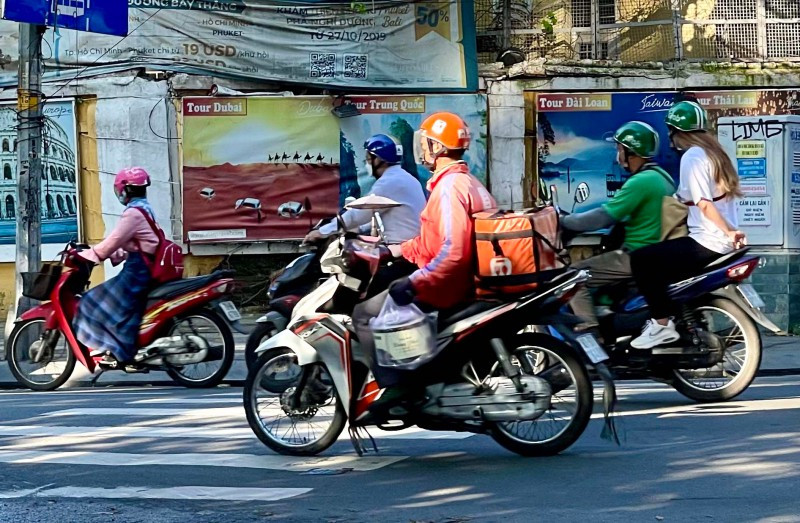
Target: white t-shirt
{"x": 697, "y": 184}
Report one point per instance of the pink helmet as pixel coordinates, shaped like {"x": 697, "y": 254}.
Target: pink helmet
{"x": 132, "y": 176}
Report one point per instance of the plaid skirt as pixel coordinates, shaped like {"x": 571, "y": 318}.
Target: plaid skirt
{"x": 109, "y": 316}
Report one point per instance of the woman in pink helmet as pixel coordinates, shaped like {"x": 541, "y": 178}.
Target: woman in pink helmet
{"x": 110, "y": 314}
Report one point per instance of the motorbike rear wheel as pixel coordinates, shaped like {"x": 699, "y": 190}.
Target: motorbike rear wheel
{"x": 723, "y": 382}
{"x": 56, "y": 365}
{"x": 571, "y": 403}
{"x": 304, "y": 431}
{"x": 207, "y": 373}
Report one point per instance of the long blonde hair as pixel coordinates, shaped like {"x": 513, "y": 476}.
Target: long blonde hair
{"x": 724, "y": 173}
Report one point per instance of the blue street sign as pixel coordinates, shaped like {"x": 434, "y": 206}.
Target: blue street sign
{"x": 94, "y": 16}
{"x": 752, "y": 168}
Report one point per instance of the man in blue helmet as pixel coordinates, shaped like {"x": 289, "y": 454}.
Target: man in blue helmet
{"x": 383, "y": 157}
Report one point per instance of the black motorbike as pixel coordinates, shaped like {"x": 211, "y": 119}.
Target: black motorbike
{"x": 719, "y": 352}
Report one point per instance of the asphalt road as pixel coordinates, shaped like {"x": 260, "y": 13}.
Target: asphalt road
{"x": 166, "y": 454}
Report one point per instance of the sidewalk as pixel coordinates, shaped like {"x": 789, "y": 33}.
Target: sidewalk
{"x": 781, "y": 356}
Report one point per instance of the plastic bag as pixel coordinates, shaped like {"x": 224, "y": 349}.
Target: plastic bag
{"x": 404, "y": 336}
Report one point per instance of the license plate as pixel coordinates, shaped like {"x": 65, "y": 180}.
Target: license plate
{"x": 230, "y": 311}
{"x": 592, "y": 349}
{"x": 751, "y": 295}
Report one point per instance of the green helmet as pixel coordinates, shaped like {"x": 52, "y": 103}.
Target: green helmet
{"x": 687, "y": 117}
{"x": 639, "y": 138}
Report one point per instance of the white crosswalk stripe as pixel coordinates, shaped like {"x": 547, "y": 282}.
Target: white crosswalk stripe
{"x": 74, "y": 434}
{"x": 252, "y": 461}
{"x": 192, "y": 493}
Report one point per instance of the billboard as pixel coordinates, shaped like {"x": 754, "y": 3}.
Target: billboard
{"x": 417, "y": 46}
{"x": 399, "y": 117}
{"x": 572, "y": 129}
{"x": 59, "y": 180}
{"x": 246, "y": 158}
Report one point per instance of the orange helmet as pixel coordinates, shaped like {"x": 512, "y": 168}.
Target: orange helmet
{"x": 448, "y": 129}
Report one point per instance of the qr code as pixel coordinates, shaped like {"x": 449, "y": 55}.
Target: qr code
{"x": 323, "y": 65}
{"x": 355, "y": 66}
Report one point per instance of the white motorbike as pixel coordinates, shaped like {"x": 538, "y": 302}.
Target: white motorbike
{"x": 528, "y": 390}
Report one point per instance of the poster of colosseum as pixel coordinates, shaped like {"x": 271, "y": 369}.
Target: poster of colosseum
{"x": 59, "y": 179}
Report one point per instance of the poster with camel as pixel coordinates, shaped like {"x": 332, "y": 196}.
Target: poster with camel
{"x": 258, "y": 168}
{"x": 268, "y": 168}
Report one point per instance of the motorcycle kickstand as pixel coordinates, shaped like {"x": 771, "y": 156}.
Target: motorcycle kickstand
{"x": 93, "y": 381}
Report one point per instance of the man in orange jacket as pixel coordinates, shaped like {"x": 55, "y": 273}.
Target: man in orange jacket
{"x": 444, "y": 249}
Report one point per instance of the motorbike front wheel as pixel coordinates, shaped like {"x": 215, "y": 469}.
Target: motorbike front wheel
{"x": 35, "y": 364}
{"x": 570, "y": 405}
{"x": 740, "y": 362}
{"x": 303, "y": 428}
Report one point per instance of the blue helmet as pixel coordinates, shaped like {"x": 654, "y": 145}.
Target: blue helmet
{"x": 384, "y": 148}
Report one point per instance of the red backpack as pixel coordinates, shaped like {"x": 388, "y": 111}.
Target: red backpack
{"x": 167, "y": 262}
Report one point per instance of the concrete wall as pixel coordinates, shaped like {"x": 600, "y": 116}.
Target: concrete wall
{"x": 507, "y": 143}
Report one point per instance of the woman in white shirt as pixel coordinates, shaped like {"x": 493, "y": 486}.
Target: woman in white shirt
{"x": 709, "y": 186}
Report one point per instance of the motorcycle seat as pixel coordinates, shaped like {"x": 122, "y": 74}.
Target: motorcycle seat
{"x": 726, "y": 260}
{"x": 453, "y": 316}
{"x": 178, "y": 287}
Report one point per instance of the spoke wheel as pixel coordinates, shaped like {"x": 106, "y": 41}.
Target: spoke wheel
{"x": 570, "y": 405}
{"x": 217, "y": 336}
{"x": 740, "y": 362}
{"x": 303, "y": 429}
{"x": 33, "y": 363}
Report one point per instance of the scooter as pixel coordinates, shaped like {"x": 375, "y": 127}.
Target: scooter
{"x": 484, "y": 374}
{"x": 185, "y": 331}
{"x": 719, "y": 352}
{"x": 298, "y": 278}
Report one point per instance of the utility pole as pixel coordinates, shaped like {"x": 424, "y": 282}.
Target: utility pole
{"x": 29, "y": 162}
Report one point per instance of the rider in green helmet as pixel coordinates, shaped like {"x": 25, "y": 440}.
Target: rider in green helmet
{"x": 636, "y": 206}
{"x": 687, "y": 116}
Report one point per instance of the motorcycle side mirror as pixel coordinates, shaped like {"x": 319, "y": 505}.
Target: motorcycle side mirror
{"x": 582, "y": 192}
{"x": 378, "y": 228}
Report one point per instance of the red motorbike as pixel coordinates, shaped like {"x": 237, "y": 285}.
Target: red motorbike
{"x": 185, "y": 331}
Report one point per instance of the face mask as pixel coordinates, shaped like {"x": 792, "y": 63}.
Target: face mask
{"x": 368, "y": 166}
{"x": 123, "y": 198}
{"x": 621, "y": 161}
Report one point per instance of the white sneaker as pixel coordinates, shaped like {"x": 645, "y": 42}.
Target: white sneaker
{"x": 655, "y": 334}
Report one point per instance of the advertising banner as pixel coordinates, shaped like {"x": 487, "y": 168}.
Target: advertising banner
{"x": 414, "y": 46}
{"x": 59, "y": 181}
{"x": 245, "y": 160}
{"x": 399, "y": 117}
{"x": 573, "y": 130}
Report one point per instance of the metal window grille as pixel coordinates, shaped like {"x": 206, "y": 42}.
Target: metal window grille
{"x": 607, "y": 12}
{"x": 581, "y": 13}
{"x": 782, "y": 9}
{"x": 643, "y": 30}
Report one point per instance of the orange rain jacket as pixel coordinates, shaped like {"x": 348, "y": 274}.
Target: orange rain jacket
{"x": 444, "y": 249}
